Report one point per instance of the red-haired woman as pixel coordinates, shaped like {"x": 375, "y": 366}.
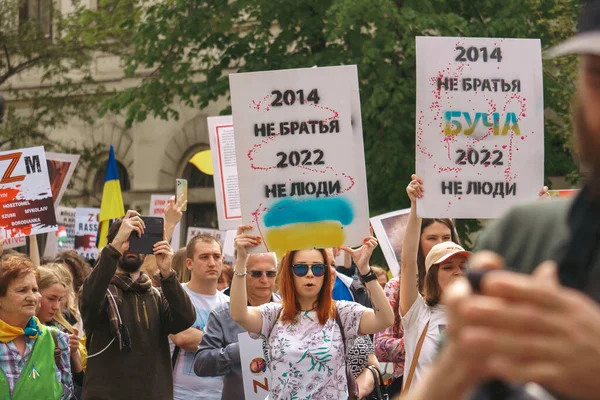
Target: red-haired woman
{"x": 306, "y": 350}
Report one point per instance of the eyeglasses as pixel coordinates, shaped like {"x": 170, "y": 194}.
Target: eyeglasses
{"x": 258, "y": 274}
{"x": 302, "y": 269}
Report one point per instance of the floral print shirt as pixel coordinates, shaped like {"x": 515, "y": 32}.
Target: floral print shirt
{"x": 389, "y": 343}
{"x": 307, "y": 359}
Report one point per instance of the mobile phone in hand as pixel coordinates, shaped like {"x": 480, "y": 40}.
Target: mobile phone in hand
{"x": 153, "y": 234}
{"x": 182, "y": 185}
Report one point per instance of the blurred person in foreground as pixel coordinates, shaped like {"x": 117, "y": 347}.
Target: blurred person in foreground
{"x": 539, "y": 331}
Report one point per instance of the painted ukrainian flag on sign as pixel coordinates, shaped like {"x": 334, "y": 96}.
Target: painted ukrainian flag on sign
{"x": 112, "y": 199}
{"x": 293, "y": 224}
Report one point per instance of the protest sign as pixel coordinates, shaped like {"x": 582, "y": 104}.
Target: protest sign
{"x": 255, "y": 373}
{"x": 479, "y": 125}
{"x": 86, "y": 231}
{"x": 194, "y": 230}
{"x": 25, "y": 196}
{"x": 158, "y": 202}
{"x": 60, "y": 170}
{"x": 300, "y": 157}
{"x": 13, "y": 243}
{"x": 227, "y": 192}
{"x": 389, "y": 229}
{"x": 64, "y": 237}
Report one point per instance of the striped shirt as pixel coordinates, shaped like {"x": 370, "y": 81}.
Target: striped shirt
{"x": 12, "y": 363}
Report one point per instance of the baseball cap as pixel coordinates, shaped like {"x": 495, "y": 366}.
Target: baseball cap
{"x": 587, "y": 39}
{"x": 443, "y": 251}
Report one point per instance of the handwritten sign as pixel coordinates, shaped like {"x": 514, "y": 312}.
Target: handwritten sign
{"x": 26, "y": 204}
{"x": 158, "y": 202}
{"x": 255, "y": 373}
{"x": 227, "y": 192}
{"x": 479, "y": 125}
{"x": 300, "y": 157}
{"x": 86, "y": 231}
{"x": 389, "y": 229}
{"x": 194, "y": 231}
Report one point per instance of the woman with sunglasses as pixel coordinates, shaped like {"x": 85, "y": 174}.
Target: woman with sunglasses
{"x": 306, "y": 353}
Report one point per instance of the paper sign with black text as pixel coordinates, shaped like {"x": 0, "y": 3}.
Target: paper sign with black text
{"x": 26, "y": 204}
{"x": 479, "y": 125}
{"x": 86, "y": 231}
{"x": 255, "y": 372}
{"x": 300, "y": 157}
{"x": 227, "y": 192}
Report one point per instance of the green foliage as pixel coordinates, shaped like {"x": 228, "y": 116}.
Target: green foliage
{"x": 192, "y": 45}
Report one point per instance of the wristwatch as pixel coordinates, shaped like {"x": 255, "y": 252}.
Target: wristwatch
{"x": 368, "y": 277}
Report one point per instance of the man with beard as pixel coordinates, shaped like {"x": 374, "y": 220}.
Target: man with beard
{"x": 541, "y": 331}
{"x": 127, "y": 322}
{"x": 205, "y": 262}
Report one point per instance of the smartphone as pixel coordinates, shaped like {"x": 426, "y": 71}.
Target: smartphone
{"x": 182, "y": 190}
{"x": 154, "y": 232}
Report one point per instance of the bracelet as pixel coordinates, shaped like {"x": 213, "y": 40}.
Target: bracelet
{"x": 368, "y": 277}
{"x": 240, "y": 274}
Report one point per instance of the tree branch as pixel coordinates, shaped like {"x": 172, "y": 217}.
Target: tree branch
{"x": 7, "y": 58}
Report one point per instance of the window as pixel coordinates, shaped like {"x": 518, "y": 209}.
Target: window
{"x": 101, "y": 175}
{"x": 39, "y": 12}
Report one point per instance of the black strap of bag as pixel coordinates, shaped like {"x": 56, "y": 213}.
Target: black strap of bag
{"x": 174, "y": 356}
{"x": 378, "y": 392}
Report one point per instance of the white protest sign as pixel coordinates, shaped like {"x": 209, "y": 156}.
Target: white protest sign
{"x": 12, "y": 243}
{"x": 86, "y": 231}
{"x": 26, "y": 205}
{"x": 479, "y": 125}
{"x": 255, "y": 373}
{"x": 194, "y": 230}
{"x": 64, "y": 237}
{"x": 227, "y": 191}
{"x": 300, "y": 157}
{"x": 158, "y": 202}
{"x": 389, "y": 229}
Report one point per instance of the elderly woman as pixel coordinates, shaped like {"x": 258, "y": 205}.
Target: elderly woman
{"x": 34, "y": 358}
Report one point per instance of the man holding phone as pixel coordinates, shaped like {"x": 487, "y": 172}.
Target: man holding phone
{"x": 128, "y": 322}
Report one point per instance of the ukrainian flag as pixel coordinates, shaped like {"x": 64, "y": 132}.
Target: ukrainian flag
{"x": 112, "y": 200}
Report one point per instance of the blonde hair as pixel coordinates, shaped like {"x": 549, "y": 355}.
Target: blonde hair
{"x": 53, "y": 273}
{"x": 179, "y": 266}
{"x": 378, "y": 270}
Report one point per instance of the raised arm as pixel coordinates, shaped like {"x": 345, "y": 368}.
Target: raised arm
{"x": 173, "y": 214}
{"x": 248, "y": 317}
{"x": 409, "y": 279}
{"x": 93, "y": 291}
{"x": 382, "y": 315}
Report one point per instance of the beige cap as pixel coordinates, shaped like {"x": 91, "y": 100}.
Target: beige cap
{"x": 443, "y": 251}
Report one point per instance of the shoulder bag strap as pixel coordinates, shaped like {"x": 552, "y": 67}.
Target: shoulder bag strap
{"x": 174, "y": 356}
{"x": 415, "y": 359}
{"x": 352, "y": 388}
{"x": 56, "y": 347}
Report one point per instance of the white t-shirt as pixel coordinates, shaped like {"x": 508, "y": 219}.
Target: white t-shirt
{"x": 307, "y": 359}
{"x": 414, "y": 322}
{"x": 187, "y": 385}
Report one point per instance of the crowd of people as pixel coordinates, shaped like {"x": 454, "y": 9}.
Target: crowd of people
{"x": 518, "y": 320}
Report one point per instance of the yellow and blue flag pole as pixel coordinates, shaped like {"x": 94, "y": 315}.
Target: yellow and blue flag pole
{"x": 112, "y": 199}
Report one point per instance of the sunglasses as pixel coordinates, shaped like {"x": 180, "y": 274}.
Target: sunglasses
{"x": 302, "y": 269}
{"x": 258, "y": 274}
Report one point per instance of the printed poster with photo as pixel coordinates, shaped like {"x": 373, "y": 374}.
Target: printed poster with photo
{"x": 227, "y": 191}
{"x": 64, "y": 238}
{"x": 389, "y": 229}
{"x": 86, "y": 232}
{"x": 255, "y": 372}
{"x": 479, "y": 125}
{"x": 300, "y": 157}
{"x": 26, "y": 204}
{"x": 60, "y": 170}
